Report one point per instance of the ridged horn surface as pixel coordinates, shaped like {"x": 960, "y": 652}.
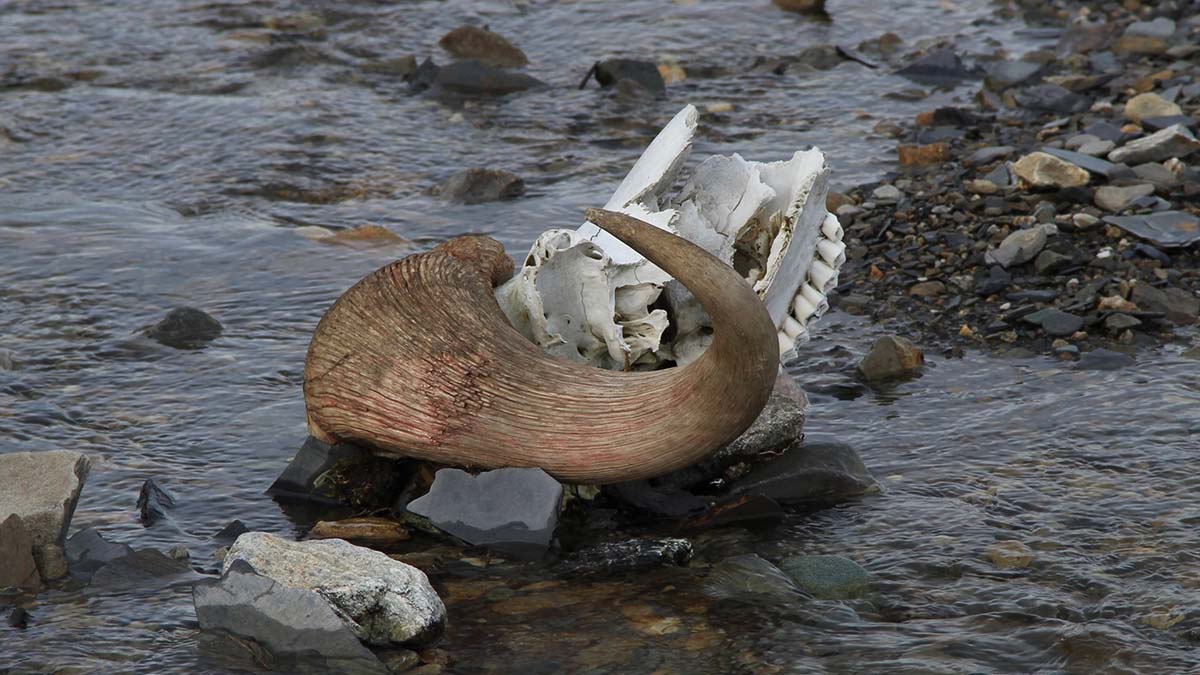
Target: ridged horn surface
{"x": 417, "y": 360}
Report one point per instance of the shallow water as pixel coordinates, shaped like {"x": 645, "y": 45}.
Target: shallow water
{"x": 170, "y": 149}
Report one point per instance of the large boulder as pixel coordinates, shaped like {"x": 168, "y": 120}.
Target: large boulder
{"x": 382, "y": 601}
{"x": 43, "y": 488}
{"x": 506, "y": 507}
{"x": 293, "y": 624}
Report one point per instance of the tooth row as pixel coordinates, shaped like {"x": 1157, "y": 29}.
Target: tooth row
{"x": 811, "y": 300}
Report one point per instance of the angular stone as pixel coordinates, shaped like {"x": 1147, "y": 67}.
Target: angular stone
{"x": 1049, "y": 262}
{"x": 632, "y": 555}
{"x": 153, "y": 502}
{"x": 383, "y": 601}
{"x": 1055, "y": 322}
{"x": 1105, "y": 131}
{"x": 780, "y": 424}
{"x": 473, "y": 42}
{"x": 87, "y": 551}
{"x": 475, "y": 78}
{"x": 887, "y": 194}
{"x": 290, "y": 623}
{"x": 827, "y": 577}
{"x": 816, "y": 474}
{"x": 1083, "y": 160}
{"x": 299, "y": 480}
{"x": 1042, "y": 170}
{"x": 1160, "y": 123}
{"x": 891, "y": 356}
{"x": 1174, "y": 141}
{"x": 1119, "y": 322}
{"x": 479, "y": 185}
{"x": 989, "y": 154}
{"x": 18, "y": 569}
{"x": 1179, "y": 306}
{"x": 144, "y": 569}
{"x": 941, "y": 66}
{"x": 1020, "y": 247}
{"x": 750, "y": 578}
{"x": 1166, "y": 229}
{"x": 185, "y": 328}
{"x": 1150, "y": 104}
{"x": 502, "y": 507}
{"x": 927, "y": 289}
{"x": 920, "y": 155}
{"x": 1156, "y": 174}
{"x": 43, "y": 488}
{"x": 1161, "y": 27}
{"x": 644, "y": 74}
{"x": 1097, "y": 148}
{"x": 1052, "y": 98}
{"x": 1004, "y": 74}
{"x": 1117, "y": 199}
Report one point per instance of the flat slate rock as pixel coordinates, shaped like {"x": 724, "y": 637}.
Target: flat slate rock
{"x": 1168, "y": 229}
{"x": 1093, "y": 164}
{"x": 290, "y": 623}
{"x": 142, "y": 570}
{"x": 43, "y": 488}
{"x": 88, "y": 551}
{"x": 504, "y": 506}
{"x": 298, "y": 480}
{"x": 941, "y": 66}
{"x": 814, "y": 474}
{"x": 1104, "y": 359}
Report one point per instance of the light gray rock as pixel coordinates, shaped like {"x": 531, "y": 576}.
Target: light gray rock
{"x": 1162, "y": 27}
{"x": 1097, "y": 148}
{"x": 1020, "y": 246}
{"x": 1174, "y": 141}
{"x": 1117, "y": 199}
{"x": 17, "y": 566}
{"x": 887, "y": 194}
{"x": 290, "y": 623}
{"x": 504, "y": 507}
{"x": 382, "y": 601}
{"x": 43, "y": 488}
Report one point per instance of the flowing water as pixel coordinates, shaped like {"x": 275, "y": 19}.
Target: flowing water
{"x": 158, "y": 153}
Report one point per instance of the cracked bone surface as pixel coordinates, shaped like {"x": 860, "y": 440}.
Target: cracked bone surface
{"x": 585, "y": 296}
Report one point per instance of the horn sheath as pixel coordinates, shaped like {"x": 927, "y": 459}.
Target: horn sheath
{"x": 417, "y": 360}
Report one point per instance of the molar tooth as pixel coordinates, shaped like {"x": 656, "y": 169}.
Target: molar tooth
{"x": 792, "y": 327}
{"x": 831, "y": 228}
{"x": 823, "y": 276}
{"x": 832, "y": 252}
{"x": 802, "y": 308}
{"x": 786, "y": 343}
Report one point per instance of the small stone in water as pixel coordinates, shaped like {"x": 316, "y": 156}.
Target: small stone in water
{"x": 472, "y": 42}
{"x": 18, "y": 617}
{"x": 153, "y": 502}
{"x": 828, "y": 577}
{"x": 891, "y": 356}
{"x": 185, "y": 328}
{"x": 478, "y": 185}
{"x": 1010, "y": 555}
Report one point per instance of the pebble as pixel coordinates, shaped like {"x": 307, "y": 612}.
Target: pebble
{"x": 1042, "y": 170}
{"x": 1149, "y": 104}
{"x": 891, "y": 357}
{"x": 1173, "y": 142}
{"x": 887, "y": 194}
{"x": 828, "y": 577}
{"x": 185, "y": 328}
{"x": 1010, "y": 555}
{"x": 1020, "y": 246}
{"x": 472, "y": 42}
{"x": 1117, "y": 199}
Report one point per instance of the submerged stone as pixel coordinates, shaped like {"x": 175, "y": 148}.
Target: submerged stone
{"x": 941, "y": 66}
{"x": 475, "y": 78}
{"x": 644, "y": 74}
{"x": 87, "y": 551}
{"x": 145, "y": 570}
{"x": 813, "y": 474}
{"x": 185, "y": 328}
{"x": 43, "y": 489}
{"x": 827, "y": 577}
{"x": 1104, "y": 359}
{"x": 890, "y": 357}
{"x": 1166, "y": 228}
{"x": 473, "y": 42}
{"x": 500, "y": 507}
{"x": 750, "y": 578}
{"x": 628, "y": 556}
{"x": 479, "y": 185}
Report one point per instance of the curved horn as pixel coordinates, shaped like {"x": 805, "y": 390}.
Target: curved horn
{"x": 418, "y": 360}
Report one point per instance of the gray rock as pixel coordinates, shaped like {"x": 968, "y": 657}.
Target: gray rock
{"x": 816, "y": 474}
{"x": 185, "y": 328}
{"x": 1001, "y": 176}
{"x": 292, "y": 624}
{"x": 780, "y": 424}
{"x": 43, "y": 488}
{"x": 887, "y": 194}
{"x": 1105, "y": 131}
{"x": 142, "y": 570}
{"x": 1178, "y": 305}
{"x": 1162, "y": 27}
{"x": 475, "y": 78}
{"x": 827, "y": 577}
{"x": 989, "y": 154}
{"x": 1104, "y": 359}
{"x": 153, "y": 502}
{"x": 938, "y": 67}
{"x": 821, "y": 57}
{"x": 1117, "y": 199}
{"x": 1020, "y": 246}
{"x": 1049, "y": 262}
{"x": 750, "y": 578}
{"x": 1097, "y": 148}
{"x": 1083, "y": 160}
{"x": 643, "y": 74}
{"x": 1004, "y": 74}
{"x": 632, "y": 555}
{"x": 479, "y": 185}
{"x": 890, "y": 357}
{"x": 1174, "y": 141}
{"x": 87, "y": 551}
{"x": 1048, "y": 97}
{"x": 1119, "y": 322}
{"x": 1166, "y": 229}
{"x": 504, "y": 507}
{"x": 18, "y": 569}
{"x": 7, "y": 360}
{"x": 299, "y": 481}
{"x": 1160, "y": 123}
{"x": 1156, "y": 174}
{"x": 383, "y": 601}
{"x": 1055, "y": 322}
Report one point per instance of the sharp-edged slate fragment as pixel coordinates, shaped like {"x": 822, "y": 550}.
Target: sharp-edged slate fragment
{"x": 299, "y": 481}
{"x": 749, "y": 578}
{"x": 290, "y": 623}
{"x": 43, "y": 489}
{"x": 632, "y": 555}
{"x": 939, "y": 67}
{"x": 1173, "y": 142}
{"x": 1168, "y": 229}
{"x": 495, "y": 508}
{"x": 142, "y": 570}
{"x": 1083, "y": 160}
{"x": 154, "y": 502}
{"x": 87, "y": 551}
{"x": 383, "y": 601}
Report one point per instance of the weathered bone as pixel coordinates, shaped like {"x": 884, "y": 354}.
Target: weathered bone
{"x": 588, "y": 297}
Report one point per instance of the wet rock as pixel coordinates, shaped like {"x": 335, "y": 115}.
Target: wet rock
{"x": 376, "y": 533}
{"x": 1166, "y": 228}
{"x": 989, "y": 154}
{"x": 1178, "y": 305}
{"x": 1174, "y": 141}
{"x": 18, "y": 618}
{"x": 180, "y": 553}
{"x": 290, "y": 623}
{"x": 813, "y": 474}
{"x": 1004, "y": 74}
{"x": 940, "y": 67}
{"x": 87, "y": 551}
{"x": 1052, "y": 98}
{"x": 504, "y": 507}
{"x": 142, "y": 570}
{"x": 1117, "y": 199}
{"x": 43, "y": 488}
{"x": 780, "y": 424}
{"x": 890, "y": 357}
{"x": 479, "y": 185}
{"x": 887, "y": 194}
{"x": 382, "y": 601}
{"x": 230, "y": 533}
{"x": 1049, "y": 262}
{"x": 185, "y": 328}
{"x": 1020, "y": 247}
{"x": 741, "y": 510}
{"x": 750, "y": 578}
{"x": 1083, "y": 160}
{"x": 153, "y": 503}
{"x": 1010, "y": 555}
{"x": 474, "y": 78}
{"x": 827, "y": 577}
{"x": 1055, "y": 322}
{"x": 299, "y": 481}
{"x": 1042, "y": 170}
{"x": 472, "y": 42}
{"x": 642, "y": 74}
{"x": 661, "y": 501}
{"x": 1115, "y": 323}
{"x": 627, "y": 556}
{"x": 18, "y": 569}
{"x": 821, "y": 57}
{"x": 1149, "y": 105}
{"x": 801, "y": 6}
